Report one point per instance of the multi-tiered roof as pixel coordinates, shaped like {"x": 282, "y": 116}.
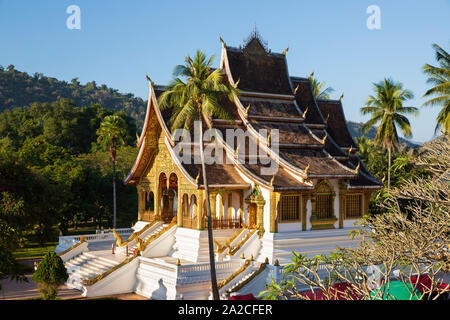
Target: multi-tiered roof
{"x": 314, "y": 142}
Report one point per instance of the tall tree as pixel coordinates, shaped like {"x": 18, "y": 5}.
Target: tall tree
{"x": 440, "y": 93}
{"x": 386, "y": 108}
{"x": 319, "y": 89}
{"x": 111, "y": 134}
{"x": 196, "y": 100}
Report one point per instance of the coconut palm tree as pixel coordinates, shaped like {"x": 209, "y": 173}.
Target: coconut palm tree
{"x": 386, "y": 108}
{"x": 440, "y": 93}
{"x": 197, "y": 99}
{"x": 110, "y": 135}
{"x": 319, "y": 90}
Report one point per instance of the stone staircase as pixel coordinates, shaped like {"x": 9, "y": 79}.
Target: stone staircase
{"x": 86, "y": 266}
{"x": 147, "y": 236}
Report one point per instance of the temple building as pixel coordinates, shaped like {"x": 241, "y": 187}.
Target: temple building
{"x": 315, "y": 193}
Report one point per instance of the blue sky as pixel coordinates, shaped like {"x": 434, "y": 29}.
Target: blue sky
{"x": 120, "y": 41}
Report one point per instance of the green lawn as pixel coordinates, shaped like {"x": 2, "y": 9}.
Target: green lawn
{"x": 34, "y": 250}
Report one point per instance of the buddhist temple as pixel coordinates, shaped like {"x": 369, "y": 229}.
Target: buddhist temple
{"x": 302, "y": 188}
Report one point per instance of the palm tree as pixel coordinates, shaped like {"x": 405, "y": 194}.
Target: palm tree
{"x": 110, "y": 135}
{"x": 319, "y": 90}
{"x": 197, "y": 99}
{"x": 386, "y": 108}
{"x": 440, "y": 77}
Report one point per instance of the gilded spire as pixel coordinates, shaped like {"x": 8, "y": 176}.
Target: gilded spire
{"x": 236, "y": 84}
{"x": 357, "y": 168}
{"x": 350, "y": 150}
{"x": 324, "y": 138}
{"x": 246, "y": 109}
{"x": 196, "y": 178}
{"x": 306, "y": 169}
{"x": 223, "y": 42}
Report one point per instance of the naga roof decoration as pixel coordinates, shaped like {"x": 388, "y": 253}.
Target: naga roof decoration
{"x": 309, "y": 147}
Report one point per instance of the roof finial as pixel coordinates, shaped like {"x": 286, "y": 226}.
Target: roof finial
{"x": 350, "y": 151}
{"x": 306, "y": 169}
{"x": 148, "y": 78}
{"x": 269, "y": 138}
{"x": 223, "y": 42}
{"x": 324, "y": 138}
{"x": 326, "y": 120}
{"x": 311, "y": 75}
{"x": 340, "y": 98}
{"x": 237, "y": 150}
{"x": 304, "y": 113}
{"x": 271, "y": 180}
{"x": 246, "y": 109}
{"x": 236, "y": 84}
{"x": 198, "y": 176}
{"x": 296, "y": 89}
{"x": 285, "y": 51}
{"x": 357, "y": 168}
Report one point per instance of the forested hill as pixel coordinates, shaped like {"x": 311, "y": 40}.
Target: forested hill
{"x": 19, "y": 89}
{"x": 355, "y": 129}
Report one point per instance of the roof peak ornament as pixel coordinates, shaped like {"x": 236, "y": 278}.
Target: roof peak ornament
{"x": 350, "y": 151}
{"x": 196, "y": 178}
{"x": 236, "y": 84}
{"x": 311, "y": 75}
{"x": 324, "y": 138}
{"x": 306, "y": 170}
{"x": 271, "y": 180}
{"x": 255, "y": 35}
{"x": 246, "y": 109}
{"x": 296, "y": 89}
{"x": 340, "y": 98}
{"x": 304, "y": 113}
{"x": 356, "y": 171}
{"x": 326, "y": 120}
{"x": 223, "y": 42}
{"x": 285, "y": 51}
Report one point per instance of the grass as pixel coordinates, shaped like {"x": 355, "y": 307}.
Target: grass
{"x": 34, "y": 250}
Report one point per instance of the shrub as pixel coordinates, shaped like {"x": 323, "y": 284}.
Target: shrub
{"x": 50, "y": 274}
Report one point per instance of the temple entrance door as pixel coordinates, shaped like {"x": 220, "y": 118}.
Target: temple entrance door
{"x": 251, "y": 214}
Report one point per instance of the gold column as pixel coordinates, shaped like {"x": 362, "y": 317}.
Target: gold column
{"x": 212, "y": 199}
{"x": 157, "y": 202}
{"x": 200, "y": 208}
{"x": 241, "y": 206}
{"x": 342, "y": 195}
{"x": 304, "y": 201}
{"x": 260, "y": 215}
{"x": 274, "y": 200}
{"x": 230, "y": 205}
{"x": 179, "y": 209}
{"x": 141, "y": 203}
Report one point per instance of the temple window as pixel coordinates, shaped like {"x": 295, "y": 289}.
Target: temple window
{"x": 289, "y": 208}
{"x": 353, "y": 206}
{"x": 149, "y": 201}
{"x": 324, "y": 197}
